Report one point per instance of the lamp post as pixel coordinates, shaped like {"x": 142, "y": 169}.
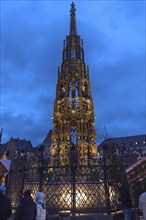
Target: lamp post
{"x": 23, "y": 167}
{"x": 41, "y": 165}
{"x": 105, "y": 178}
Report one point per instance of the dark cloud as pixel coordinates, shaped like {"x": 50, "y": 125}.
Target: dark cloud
{"x": 26, "y": 126}
{"x": 32, "y": 34}
{"x": 120, "y": 96}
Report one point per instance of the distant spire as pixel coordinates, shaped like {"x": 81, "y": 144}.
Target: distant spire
{"x": 72, "y": 19}
{"x": 1, "y": 132}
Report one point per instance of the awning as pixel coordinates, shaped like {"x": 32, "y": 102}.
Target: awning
{"x": 6, "y": 164}
{"x": 141, "y": 161}
{"x": 137, "y": 171}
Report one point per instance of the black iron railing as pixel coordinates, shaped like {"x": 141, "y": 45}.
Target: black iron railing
{"x": 74, "y": 188}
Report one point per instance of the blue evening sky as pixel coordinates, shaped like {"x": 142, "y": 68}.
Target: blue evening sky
{"x": 32, "y": 34}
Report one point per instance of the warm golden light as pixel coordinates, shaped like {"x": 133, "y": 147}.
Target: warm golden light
{"x": 79, "y": 198}
{"x": 68, "y": 198}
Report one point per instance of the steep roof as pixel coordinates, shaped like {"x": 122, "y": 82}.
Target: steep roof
{"x": 135, "y": 140}
{"x": 47, "y": 140}
{"x": 21, "y": 144}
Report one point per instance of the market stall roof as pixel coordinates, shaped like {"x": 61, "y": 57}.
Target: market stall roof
{"x": 6, "y": 164}
{"x": 136, "y": 164}
{"x": 137, "y": 170}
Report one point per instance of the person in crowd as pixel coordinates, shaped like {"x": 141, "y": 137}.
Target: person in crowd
{"x": 5, "y": 205}
{"x": 41, "y": 211}
{"x": 26, "y": 210}
{"x": 142, "y": 204}
{"x": 125, "y": 199}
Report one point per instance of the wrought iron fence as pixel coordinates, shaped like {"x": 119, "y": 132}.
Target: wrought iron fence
{"x": 78, "y": 189}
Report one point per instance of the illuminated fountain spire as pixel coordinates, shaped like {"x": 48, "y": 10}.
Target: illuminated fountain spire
{"x": 73, "y": 119}
{"x": 72, "y": 19}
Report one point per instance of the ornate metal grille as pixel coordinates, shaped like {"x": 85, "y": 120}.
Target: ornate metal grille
{"x": 78, "y": 189}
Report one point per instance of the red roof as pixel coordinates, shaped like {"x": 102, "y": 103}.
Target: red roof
{"x": 137, "y": 171}
{"x": 136, "y": 164}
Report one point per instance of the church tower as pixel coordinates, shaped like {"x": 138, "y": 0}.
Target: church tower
{"x": 73, "y": 120}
